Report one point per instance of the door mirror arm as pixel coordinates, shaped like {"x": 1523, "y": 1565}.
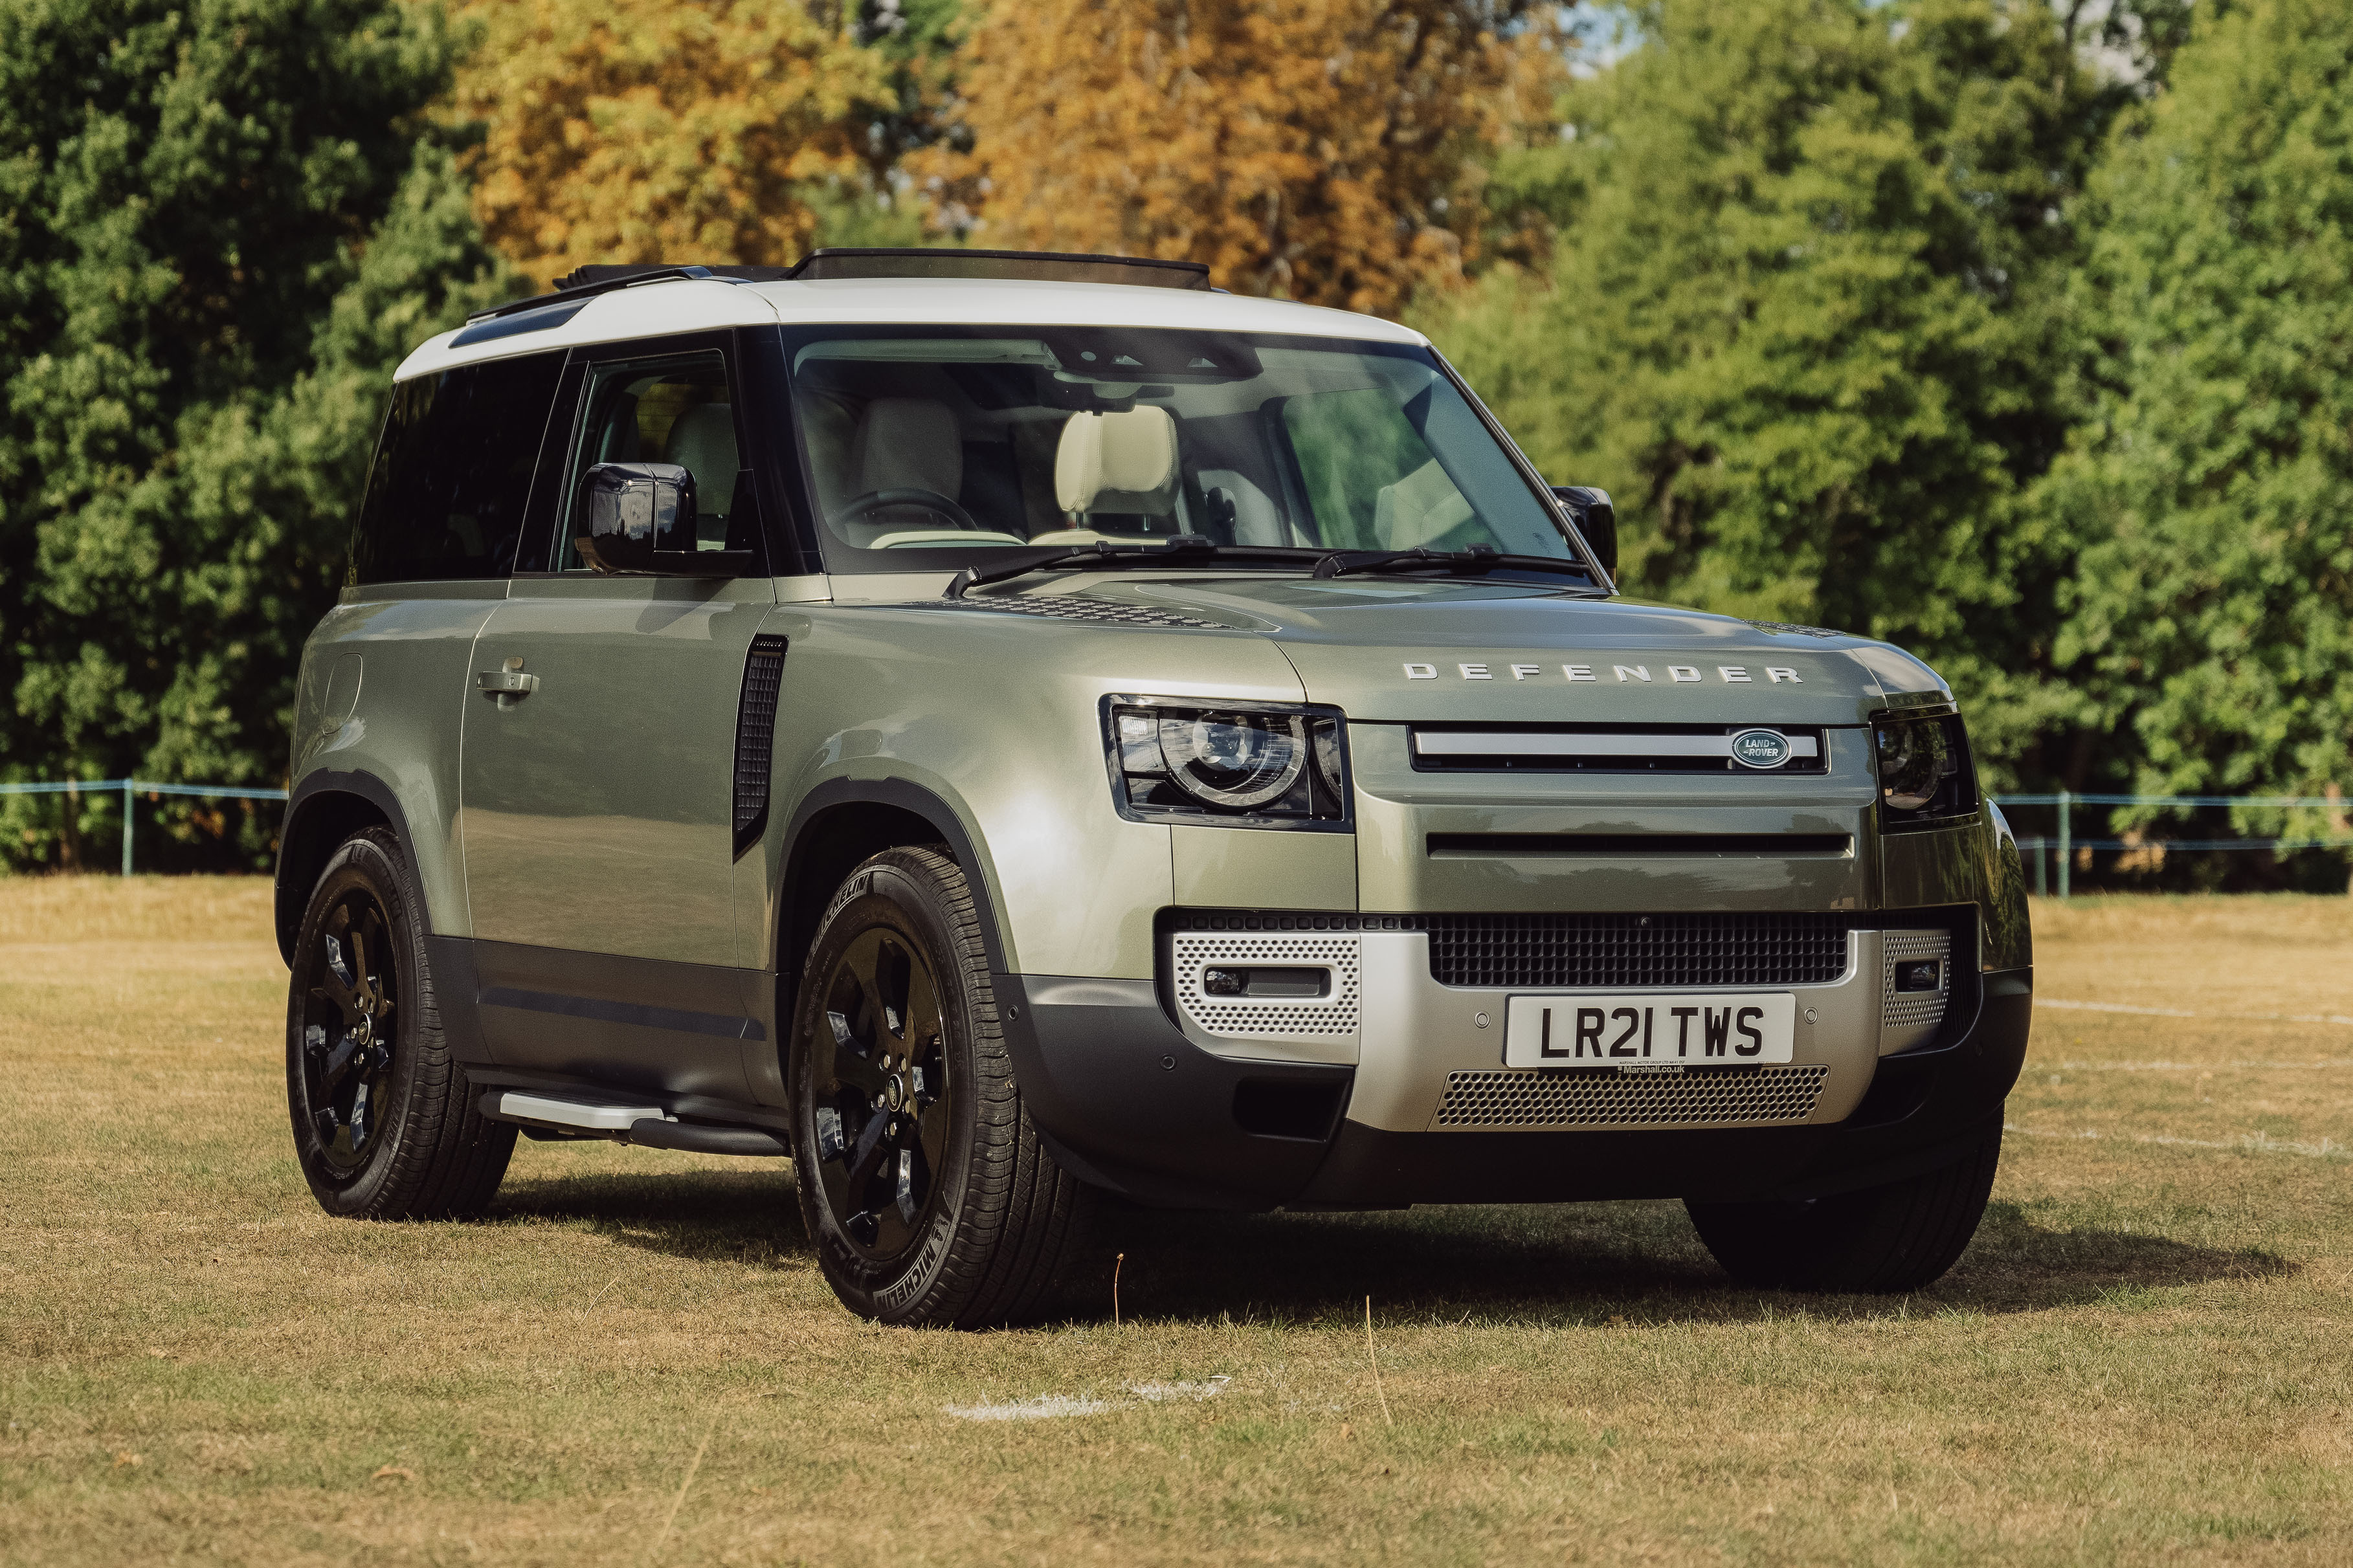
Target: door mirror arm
{"x": 1596, "y": 518}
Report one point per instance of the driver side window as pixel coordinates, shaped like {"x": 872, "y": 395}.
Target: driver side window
{"x": 675, "y": 410}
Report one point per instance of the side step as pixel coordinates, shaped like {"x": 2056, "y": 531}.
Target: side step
{"x": 648, "y": 1125}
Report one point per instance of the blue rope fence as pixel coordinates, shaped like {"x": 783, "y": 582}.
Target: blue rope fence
{"x": 132, "y": 788}
{"x": 2064, "y": 841}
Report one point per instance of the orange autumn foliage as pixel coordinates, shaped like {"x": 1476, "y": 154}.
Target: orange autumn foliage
{"x": 1322, "y": 150}
{"x": 653, "y": 131}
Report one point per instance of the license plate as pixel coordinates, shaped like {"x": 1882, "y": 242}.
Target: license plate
{"x": 1648, "y": 1027}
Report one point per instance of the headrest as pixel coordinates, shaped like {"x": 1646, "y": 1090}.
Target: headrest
{"x": 703, "y": 441}
{"x": 907, "y": 443}
{"x": 1117, "y": 462}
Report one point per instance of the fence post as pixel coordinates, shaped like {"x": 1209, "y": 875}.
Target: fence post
{"x": 2042, "y": 858}
{"x": 2066, "y": 845}
{"x": 126, "y": 826}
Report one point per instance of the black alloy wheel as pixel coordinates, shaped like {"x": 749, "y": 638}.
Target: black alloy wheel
{"x": 929, "y": 1195}
{"x": 348, "y": 1035}
{"x": 880, "y": 1109}
{"x": 385, "y": 1123}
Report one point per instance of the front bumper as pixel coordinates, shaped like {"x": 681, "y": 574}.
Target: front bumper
{"x": 1133, "y": 1095}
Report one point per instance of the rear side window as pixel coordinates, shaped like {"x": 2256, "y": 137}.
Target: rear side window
{"x": 445, "y": 500}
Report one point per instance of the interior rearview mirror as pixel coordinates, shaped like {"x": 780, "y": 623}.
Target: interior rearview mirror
{"x": 639, "y": 518}
{"x": 1595, "y": 518}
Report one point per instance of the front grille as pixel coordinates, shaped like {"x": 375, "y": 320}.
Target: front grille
{"x": 1492, "y": 1097}
{"x": 755, "y": 737}
{"x": 1637, "y": 950}
{"x": 1791, "y": 748}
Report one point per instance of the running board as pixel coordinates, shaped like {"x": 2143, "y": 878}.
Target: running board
{"x": 648, "y": 1125}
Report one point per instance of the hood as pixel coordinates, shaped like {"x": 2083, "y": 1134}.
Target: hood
{"x": 1397, "y": 651}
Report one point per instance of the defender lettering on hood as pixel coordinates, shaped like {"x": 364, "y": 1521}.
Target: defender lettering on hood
{"x": 1676, "y": 674}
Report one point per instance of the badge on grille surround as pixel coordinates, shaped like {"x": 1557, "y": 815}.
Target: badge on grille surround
{"x": 1760, "y": 748}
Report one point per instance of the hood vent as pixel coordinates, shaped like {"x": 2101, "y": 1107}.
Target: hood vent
{"x": 1071, "y": 607}
{"x": 1621, "y": 749}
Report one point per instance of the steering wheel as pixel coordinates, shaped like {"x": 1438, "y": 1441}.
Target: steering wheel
{"x": 872, "y": 501}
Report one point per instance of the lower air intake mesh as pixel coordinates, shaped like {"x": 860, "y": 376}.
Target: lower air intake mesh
{"x": 1489, "y": 1097}
{"x": 1637, "y": 950}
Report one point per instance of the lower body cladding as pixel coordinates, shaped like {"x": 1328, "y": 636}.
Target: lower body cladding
{"x": 1338, "y": 1061}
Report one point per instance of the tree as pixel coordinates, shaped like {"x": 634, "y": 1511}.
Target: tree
{"x": 648, "y": 130}
{"x": 1801, "y": 320}
{"x": 2213, "y": 479}
{"x": 1316, "y": 149}
{"x": 225, "y": 223}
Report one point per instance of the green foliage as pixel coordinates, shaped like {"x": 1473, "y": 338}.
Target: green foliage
{"x": 221, "y": 226}
{"x": 1800, "y": 321}
{"x": 2211, "y": 482}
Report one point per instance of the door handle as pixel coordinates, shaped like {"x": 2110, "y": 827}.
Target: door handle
{"x": 505, "y": 687}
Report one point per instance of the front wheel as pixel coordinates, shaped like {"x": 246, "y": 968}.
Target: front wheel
{"x": 1899, "y": 1237}
{"x": 922, "y": 1181}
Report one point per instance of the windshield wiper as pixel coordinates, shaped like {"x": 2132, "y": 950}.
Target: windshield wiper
{"x": 1477, "y": 561}
{"x": 1184, "y": 550}
{"x": 1193, "y": 549}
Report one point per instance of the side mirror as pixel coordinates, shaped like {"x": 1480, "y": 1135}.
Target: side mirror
{"x": 639, "y": 518}
{"x": 1595, "y": 518}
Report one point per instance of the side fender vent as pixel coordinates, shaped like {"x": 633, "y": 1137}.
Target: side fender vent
{"x": 755, "y": 738}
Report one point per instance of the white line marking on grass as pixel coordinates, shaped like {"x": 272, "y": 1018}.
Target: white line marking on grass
{"x": 1046, "y": 1406}
{"x": 2112, "y": 1007}
{"x": 1162, "y": 1393}
{"x": 2180, "y": 1012}
{"x": 2251, "y": 1142}
{"x": 2193, "y": 1066}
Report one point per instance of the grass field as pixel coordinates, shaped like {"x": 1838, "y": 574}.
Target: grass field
{"x": 2145, "y": 1357}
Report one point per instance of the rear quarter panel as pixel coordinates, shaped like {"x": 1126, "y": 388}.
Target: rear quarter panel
{"x": 415, "y": 643}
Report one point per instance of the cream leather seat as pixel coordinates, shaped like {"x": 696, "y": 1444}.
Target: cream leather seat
{"x": 702, "y": 442}
{"x": 1122, "y": 463}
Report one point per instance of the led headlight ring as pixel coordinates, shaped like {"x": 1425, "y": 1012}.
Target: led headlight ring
{"x": 1235, "y": 760}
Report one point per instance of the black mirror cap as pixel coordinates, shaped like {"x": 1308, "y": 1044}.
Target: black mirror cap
{"x": 1595, "y": 518}
{"x": 639, "y": 519}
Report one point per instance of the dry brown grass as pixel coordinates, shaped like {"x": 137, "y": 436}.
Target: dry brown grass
{"x": 2144, "y": 1357}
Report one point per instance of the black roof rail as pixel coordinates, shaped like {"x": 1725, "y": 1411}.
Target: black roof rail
{"x": 585, "y": 282}
{"x": 946, "y": 262}
{"x": 1041, "y": 266}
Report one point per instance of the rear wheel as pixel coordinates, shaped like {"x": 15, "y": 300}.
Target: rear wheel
{"x": 1895, "y": 1237}
{"x": 922, "y": 1181}
{"x": 385, "y": 1125}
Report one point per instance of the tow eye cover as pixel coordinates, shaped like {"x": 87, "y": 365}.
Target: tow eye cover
{"x": 1760, "y": 748}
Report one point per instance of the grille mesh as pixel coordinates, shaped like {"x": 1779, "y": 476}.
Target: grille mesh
{"x": 755, "y": 736}
{"x": 1490, "y": 1098}
{"x": 1071, "y": 607}
{"x": 1638, "y": 949}
{"x": 1903, "y": 1009}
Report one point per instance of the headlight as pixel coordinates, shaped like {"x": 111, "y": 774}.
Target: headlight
{"x": 1244, "y": 764}
{"x": 1925, "y": 778}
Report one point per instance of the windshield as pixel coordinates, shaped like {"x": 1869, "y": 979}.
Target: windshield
{"x": 936, "y": 449}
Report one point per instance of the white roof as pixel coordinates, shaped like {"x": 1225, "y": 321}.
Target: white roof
{"x": 691, "y": 305}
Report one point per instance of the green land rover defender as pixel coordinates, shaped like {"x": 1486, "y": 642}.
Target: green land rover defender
{"x": 1009, "y": 732}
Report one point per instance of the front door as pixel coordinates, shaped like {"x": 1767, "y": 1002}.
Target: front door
{"x": 598, "y": 776}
